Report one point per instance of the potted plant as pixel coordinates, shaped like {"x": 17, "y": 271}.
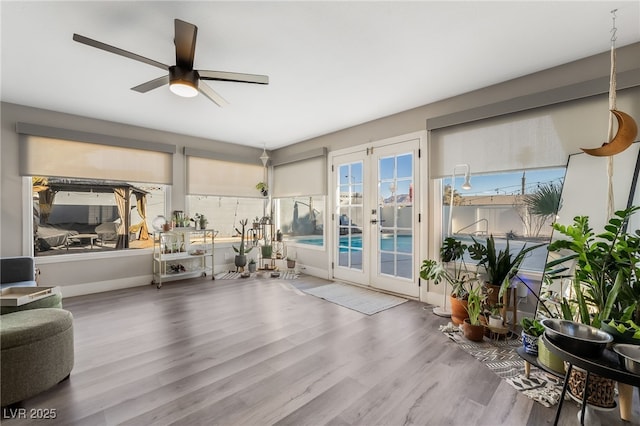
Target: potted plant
{"x": 605, "y": 270}
{"x": 252, "y": 265}
{"x": 263, "y": 188}
{"x": 604, "y": 282}
{"x": 531, "y": 331}
{"x": 500, "y": 266}
{"x": 472, "y": 328}
{"x": 241, "y": 258}
{"x": 291, "y": 263}
{"x": 495, "y": 318}
{"x": 200, "y": 221}
{"x": 452, "y": 269}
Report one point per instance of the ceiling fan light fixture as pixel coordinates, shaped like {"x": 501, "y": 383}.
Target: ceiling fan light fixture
{"x": 183, "y": 83}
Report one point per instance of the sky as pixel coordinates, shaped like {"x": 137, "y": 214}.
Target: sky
{"x": 507, "y": 183}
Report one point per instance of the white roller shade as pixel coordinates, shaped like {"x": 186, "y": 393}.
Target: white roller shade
{"x": 305, "y": 177}
{"x": 41, "y": 156}
{"x": 206, "y": 176}
{"x": 537, "y": 138}
{"x": 497, "y": 145}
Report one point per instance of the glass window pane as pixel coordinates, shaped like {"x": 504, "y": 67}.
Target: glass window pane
{"x": 405, "y": 266}
{"x": 387, "y": 168}
{"x": 405, "y": 166}
{"x": 496, "y": 205}
{"x": 64, "y": 208}
{"x": 344, "y": 175}
{"x": 301, "y": 219}
{"x": 356, "y": 173}
{"x": 225, "y": 213}
{"x": 356, "y": 194}
{"x": 356, "y": 259}
{"x": 387, "y": 263}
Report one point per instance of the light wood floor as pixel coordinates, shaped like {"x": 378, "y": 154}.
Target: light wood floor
{"x": 258, "y": 352}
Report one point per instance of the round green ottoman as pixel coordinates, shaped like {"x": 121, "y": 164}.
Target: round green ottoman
{"x": 36, "y": 351}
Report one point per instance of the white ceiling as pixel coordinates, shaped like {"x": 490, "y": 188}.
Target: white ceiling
{"x": 331, "y": 65}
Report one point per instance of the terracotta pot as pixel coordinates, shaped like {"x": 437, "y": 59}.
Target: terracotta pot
{"x": 475, "y": 333}
{"x": 493, "y": 292}
{"x": 458, "y": 310}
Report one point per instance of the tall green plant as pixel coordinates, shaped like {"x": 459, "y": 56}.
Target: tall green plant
{"x": 605, "y": 272}
{"x": 241, "y": 250}
{"x": 474, "y": 305}
{"x": 500, "y": 265}
{"x": 455, "y": 271}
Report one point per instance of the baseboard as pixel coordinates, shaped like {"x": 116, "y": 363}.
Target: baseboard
{"x": 313, "y": 271}
{"x": 102, "y": 286}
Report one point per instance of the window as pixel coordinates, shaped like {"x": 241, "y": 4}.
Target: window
{"x": 225, "y": 213}
{"x": 514, "y": 206}
{"x": 91, "y": 215}
{"x": 301, "y": 219}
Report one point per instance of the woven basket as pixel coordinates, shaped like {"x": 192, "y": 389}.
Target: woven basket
{"x": 601, "y": 391}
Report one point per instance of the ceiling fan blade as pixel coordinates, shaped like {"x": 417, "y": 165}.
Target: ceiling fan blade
{"x": 100, "y": 45}
{"x": 185, "y": 41}
{"x": 152, "y": 84}
{"x": 233, "y": 76}
{"x": 211, "y": 94}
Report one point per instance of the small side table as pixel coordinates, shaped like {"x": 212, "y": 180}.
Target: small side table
{"x": 607, "y": 365}
{"x": 91, "y": 237}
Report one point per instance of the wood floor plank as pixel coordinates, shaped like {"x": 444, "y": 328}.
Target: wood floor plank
{"x": 259, "y": 351}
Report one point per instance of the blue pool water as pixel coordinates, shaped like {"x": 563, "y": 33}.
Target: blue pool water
{"x": 405, "y": 243}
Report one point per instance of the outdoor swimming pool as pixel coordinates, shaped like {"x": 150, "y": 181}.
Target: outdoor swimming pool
{"x": 404, "y": 242}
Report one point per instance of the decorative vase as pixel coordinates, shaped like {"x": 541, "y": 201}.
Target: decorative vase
{"x": 475, "y": 333}
{"x": 252, "y": 267}
{"x": 530, "y": 344}
{"x": 458, "y": 310}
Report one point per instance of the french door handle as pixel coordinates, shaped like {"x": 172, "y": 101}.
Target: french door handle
{"x": 374, "y": 221}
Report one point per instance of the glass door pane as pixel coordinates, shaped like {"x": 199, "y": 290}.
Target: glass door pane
{"x": 350, "y": 215}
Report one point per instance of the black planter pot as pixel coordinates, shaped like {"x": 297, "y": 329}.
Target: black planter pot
{"x": 240, "y": 260}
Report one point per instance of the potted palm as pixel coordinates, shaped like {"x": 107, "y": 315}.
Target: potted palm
{"x": 452, "y": 269}
{"x": 241, "y": 258}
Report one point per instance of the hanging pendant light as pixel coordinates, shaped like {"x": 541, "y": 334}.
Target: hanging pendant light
{"x": 264, "y": 157}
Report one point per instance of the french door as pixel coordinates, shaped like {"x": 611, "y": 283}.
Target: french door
{"x": 375, "y": 220}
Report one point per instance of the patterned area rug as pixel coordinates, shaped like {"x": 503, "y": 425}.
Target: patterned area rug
{"x": 284, "y": 275}
{"x": 501, "y": 357}
{"x": 358, "y": 299}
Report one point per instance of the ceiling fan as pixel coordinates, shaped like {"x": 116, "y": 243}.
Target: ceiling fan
{"x": 182, "y": 79}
